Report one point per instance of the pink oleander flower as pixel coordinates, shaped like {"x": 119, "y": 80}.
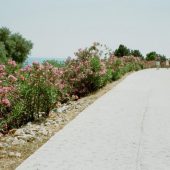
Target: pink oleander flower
{"x": 2, "y": 74}
{"x": 27, "y": 68}
{"x": 103, "y": 72}
{"x": 2, "y": 67}
{"x": 48, "y": 65}
{"x": 12, "y": 63}
{"x": 38, "y": 66}
{"x": 61, "y": 86}
{"x": 12, "y": 78}
{"x": 5, "y": 102}
{"x": 1, "y": 90}
{"x": 4, "y": 90}
{"x": 22, "y": 77}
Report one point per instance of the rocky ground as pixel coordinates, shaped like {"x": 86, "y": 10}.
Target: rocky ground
{"x": 19, "y": 144}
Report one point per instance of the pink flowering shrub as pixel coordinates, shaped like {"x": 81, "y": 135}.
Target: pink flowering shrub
{"x": 41, "y": 88}
{"x": 8, "y": 90}
{"x": 87, "y": 73}
{"x": 28, "y": 93}
{"x": 120, "y": 66}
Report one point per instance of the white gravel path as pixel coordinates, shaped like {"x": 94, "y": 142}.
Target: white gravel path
{"x": 126, "y": 129}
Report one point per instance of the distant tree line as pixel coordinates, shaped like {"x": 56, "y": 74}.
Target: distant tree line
{"x": 122, "y": 50}
{"x": 13, "y": 46}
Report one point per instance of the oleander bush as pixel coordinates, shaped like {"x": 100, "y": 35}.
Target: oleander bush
{"x": 28, "y": 93}
{"x": 8, "y": 91}
{"x": 88, "y": 72}
{"x": 41, "y": 88}
{"x": 85, "y": 74}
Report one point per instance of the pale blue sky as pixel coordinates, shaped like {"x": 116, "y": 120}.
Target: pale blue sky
{"x": 60, "y": 27}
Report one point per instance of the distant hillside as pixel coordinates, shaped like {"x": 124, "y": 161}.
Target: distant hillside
{"x": 30, "y": 60}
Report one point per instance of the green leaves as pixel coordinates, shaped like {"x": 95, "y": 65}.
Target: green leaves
{"x": 13, "y": 46}
{"x": 136, "y": 53}
{"x": 3, "y": 52}
{"x": 151, "y": 56}
{"x": 122, "y": 51}
{"x": 95, "y": 64}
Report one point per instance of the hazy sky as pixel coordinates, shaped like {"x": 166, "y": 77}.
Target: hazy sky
{"x": 60, "y": 27}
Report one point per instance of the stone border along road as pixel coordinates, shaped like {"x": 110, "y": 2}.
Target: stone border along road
{"x": 126, "y": 129}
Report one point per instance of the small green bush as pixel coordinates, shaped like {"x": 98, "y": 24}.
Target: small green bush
{"x": 122, "y": 51}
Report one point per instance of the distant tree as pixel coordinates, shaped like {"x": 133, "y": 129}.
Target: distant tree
{"x": 162, "y": 57}
{"x": 136, "y": 53}
{"x": 154, "y": 56}
{"x": 14, "y": 45}
{"x": 2, "y": 52}
{"x": 151, "y": 56}
{"x": 122, "y": 51}
{"x": 4, "y": 34}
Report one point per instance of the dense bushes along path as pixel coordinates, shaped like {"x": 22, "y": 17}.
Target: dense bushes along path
{"x": 28, "y": 93}
{"x": 127, "y": 128}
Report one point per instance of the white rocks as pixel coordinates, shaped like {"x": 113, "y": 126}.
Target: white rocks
{"x": 3, "y": 145}
{"x": 60, "y": 119}
{"x": 40, "y": 130}
{"x": 19, "y": 132}
{"x": 14, "y": 154}
{"x": 25, "y": 134}
{"x": 29, "y": 124}
{"x": 43, "y": 131}
{"x": 1, "y": 135}
{"x": 47, "y": 124}
{"x": 35, "y": 128}
{"x": 29, "y": 131}
{"x": 62, "y": 109}
{"x": 27, "y": 137}
{"x": 9, "y": 139}
{"x": 4, "y": 152}
{"x": 17, "y": 141}
{"x": 18, "y": 154}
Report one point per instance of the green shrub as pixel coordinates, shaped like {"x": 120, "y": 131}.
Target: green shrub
{"x": 117, "y": 74}
{"x": 122, "y": 51}
{"x": 136, "y": 53}
{"x": 13, "y": 46}
{"x": 41, "y": 90}
{"x": 151, "y": 56}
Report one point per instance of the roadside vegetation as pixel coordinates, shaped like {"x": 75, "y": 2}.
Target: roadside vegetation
{"x": 30, "y": 92}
